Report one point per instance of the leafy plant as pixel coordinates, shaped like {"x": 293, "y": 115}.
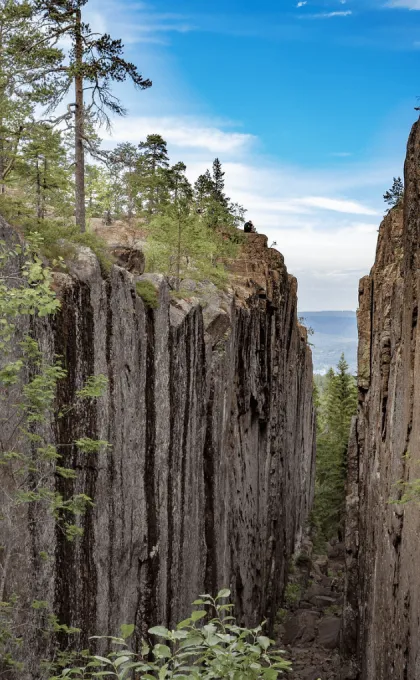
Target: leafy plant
{"x": 209, "y": 645}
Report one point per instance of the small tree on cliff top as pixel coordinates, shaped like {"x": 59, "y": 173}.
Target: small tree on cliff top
{"x": 396, "y": 193}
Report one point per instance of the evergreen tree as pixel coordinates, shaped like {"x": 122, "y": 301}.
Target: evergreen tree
{"x": 152, "y": 174}
{"x": 124, "y": 159}
{"x": 179, "y": 186}
{"x": 219, "y": 183}
{"x": 28, "y": 78}
{"x": 93, "y": 64}
{"x": 395, "y": 193}
{"x": 335, "y": 409}
{"x": 43, "y": 169}
{"x": 203, "y": 192}
{"x": 181, "y": 245}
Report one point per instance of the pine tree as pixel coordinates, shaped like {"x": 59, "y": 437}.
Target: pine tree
{"x": 181, "y": 245}
{"x": 396, "y": 193}
{"x": 179, "y": 186}
{"x": 218, "y": 182}
{"x": 124, "y": 159}
{"x": 203, "y": 192}
{"x": 28, "y": 78}
{"x": 335, "y": 410}
{"x": 43, "y": 168}
{"x": 94, "y": 63}
{"x": 152, "y": 174}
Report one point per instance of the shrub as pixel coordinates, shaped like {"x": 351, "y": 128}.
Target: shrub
{"x": 148, "y": 293}
{"x": 60, "y": 241}
{"x": 303, "y": 560}
{"x": 207, "y": 645}
{"x": 292, "y": 594}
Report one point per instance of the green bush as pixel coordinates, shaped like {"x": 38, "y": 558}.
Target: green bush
{"x": 60, "y": 241}
{"x": 303, "y": 560}
{"x": 59, "y": 237}
{"x": 292, "y": 594}
{"x": 209, "y": 645}
{"x": 148, "y": 293}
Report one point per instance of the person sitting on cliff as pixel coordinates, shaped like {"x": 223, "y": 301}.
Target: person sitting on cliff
{"x": 249, "y": 228}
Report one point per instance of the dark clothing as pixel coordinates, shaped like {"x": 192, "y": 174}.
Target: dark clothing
{"x": 249, "y": 228}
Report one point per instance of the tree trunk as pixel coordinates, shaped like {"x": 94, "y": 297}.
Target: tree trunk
{"x": 38, "y": 191}
{"x": 79, "y": 128}
{"x": 178, "y": 258}
{"x": 44, "y": 190}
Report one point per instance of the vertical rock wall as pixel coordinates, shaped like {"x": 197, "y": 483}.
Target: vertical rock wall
{"x": 382, "y": 615}
{"x": 210, "y": 476}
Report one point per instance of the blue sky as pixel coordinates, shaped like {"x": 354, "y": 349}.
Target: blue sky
{"x": 307, "y": 104}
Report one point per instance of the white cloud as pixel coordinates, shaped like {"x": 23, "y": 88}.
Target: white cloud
{"x": 345, "y": 13}
{"x": 404, "y": 4}
{"x": 302, "y": 3}
{"x": 136, "y": 22}
{"x": 328, "y": 15}
{"x": 182, "y": 131}
{"x": 337, "y": 205}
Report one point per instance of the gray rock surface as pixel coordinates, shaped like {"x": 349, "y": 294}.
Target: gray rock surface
{"x": 382, "y": 612}
{"x": 209, "y": 480}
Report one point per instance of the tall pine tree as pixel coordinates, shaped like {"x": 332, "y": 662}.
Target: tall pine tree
{"x": 94, "y": 63}
{"x": 336, "y": 407}
{"x": 152, "y": 172}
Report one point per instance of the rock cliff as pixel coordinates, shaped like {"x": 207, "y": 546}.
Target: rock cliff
{"x": 382, "y": 612}
{"x": 209, "y": 478}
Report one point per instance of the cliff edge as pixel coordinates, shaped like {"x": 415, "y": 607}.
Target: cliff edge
{"x": 382, "y": 612}
{"x": 209, "y": 478}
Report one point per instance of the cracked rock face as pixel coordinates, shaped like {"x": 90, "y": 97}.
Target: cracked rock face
{"x": 383, "y": 548}
{"x": 209, "y": 480}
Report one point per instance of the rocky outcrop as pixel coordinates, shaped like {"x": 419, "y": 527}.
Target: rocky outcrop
{"x": 382, "y": 611}
{"x": 209, "y": 478}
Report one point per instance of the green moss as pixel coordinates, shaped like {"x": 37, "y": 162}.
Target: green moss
{"x": 148, "y": 293}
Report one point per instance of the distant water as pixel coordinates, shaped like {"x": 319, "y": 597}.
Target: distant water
{"x": 335, "y": 332}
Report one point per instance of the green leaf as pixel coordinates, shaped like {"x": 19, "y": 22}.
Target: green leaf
{"x": 162, "y": 651}
{"x": 264, "y": 642}
{"x": 103, "y": 659}
{"x": 160, "y": 631}
{"x": 127, "y": 629}
{"x": 223, "y": 593}
{"x": 197, "y": 615}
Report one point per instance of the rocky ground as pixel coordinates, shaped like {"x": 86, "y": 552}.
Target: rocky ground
{"x": 309, "y": 626}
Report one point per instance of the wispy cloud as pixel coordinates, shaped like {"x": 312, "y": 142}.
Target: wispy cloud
{"x": 137, "y": 22}
{"x": 337, "y": 205}
{"x": 328, "y": 15}
{"x": 181, "y": 131}
{"x": 341, "y": 154}
{"x": 302, "y": 3}
{"x": 404, "y": 4}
